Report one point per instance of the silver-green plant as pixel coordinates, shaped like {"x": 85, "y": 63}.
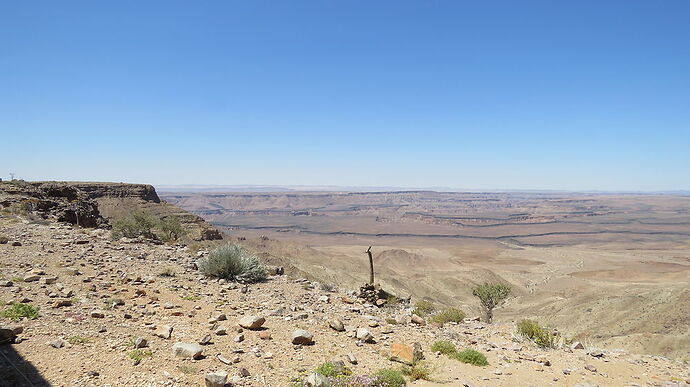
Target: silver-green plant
{"x": 234, "y": 263}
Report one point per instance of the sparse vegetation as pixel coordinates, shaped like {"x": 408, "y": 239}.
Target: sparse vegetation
{"x": 139, "y": 354}
{"x": 168, "y": 271}
{"x": 327, "y": 287}
{"x": 470, "y": 356}
{"x": 423, "y": 308}
{"x": 332, "y": 370}
{"x": 234, "y": 263}
{"x": 186, "y": 369}
{"x": 491, "y": 295}
{"x": 75, "y": 340}
{"x": 18, "y": 311}
{"x": 139, "y": 224}
{"x": 445, "y": 347}
{"x": 467, "y": 356}
{"x": 191, "y": 298}
{"x": 541, "y": 336}
{"x": 389, "y": 377}
{"x": 418, "y": 371}
{"x": 448, "y": 315}
{"x": 171, "y": 229}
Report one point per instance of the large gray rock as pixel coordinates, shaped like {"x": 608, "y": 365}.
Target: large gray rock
{"x": 187, "y": 350}
{"x": 216, "y": 379}
{"x": 300, "y": 336}
{"x": 252, "y": 322}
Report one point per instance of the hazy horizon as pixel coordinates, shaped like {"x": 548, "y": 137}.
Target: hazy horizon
{"x": 537, "y": 95}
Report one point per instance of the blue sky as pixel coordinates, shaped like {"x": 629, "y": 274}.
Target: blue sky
{"x": 573, "y": 95}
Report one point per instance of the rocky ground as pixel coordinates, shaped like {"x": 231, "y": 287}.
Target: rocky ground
{"x": 101, "y": 299}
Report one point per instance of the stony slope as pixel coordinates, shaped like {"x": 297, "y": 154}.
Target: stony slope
{"x": 97, "y": 297}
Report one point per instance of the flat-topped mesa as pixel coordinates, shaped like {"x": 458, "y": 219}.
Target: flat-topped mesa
{"x": 145, "y": 192}
{"x": 96, "y": 204}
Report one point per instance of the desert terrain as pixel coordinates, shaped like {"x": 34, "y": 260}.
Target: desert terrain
{"x": 610, "y": 269}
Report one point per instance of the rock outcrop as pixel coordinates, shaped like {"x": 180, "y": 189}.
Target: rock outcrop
{"x": 90, "y": 204}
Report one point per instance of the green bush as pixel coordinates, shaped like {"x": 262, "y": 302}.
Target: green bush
{"x": 542, "y": 336}
{"x": 332, "y": 370}
{"x": 17, "y": 311}
{"x": 234, "y": 263}
{"x": 491, "y": 295}
{"x": 448, "y": 315}
{"x": 139, "y": 354}
{"x": 418, "y": 371}
{"x": 445, "y": 347}
{"x": 470, "y": 356}
{"x": 133, "y": 226}
{"x": 171, "y": 229}
{"x": 423, "y": 308}
{"x": 389, "y": 378}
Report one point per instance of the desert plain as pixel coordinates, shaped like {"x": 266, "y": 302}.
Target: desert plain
{"x": 606, "y": 269}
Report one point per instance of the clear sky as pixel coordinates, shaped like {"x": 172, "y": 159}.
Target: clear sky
{"x": 574, "y": 95}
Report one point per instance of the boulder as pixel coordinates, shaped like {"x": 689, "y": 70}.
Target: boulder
{"x": 187, "y": 350}
{"x": 406, "y": 354}
{"x": 216, "y": 379}
{"x": 317, "y": 380}
{"x": 300, "y": 336}
{"x": 252, "y": 322}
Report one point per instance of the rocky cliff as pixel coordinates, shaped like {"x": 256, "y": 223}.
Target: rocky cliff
{"x": 94, "y": 204}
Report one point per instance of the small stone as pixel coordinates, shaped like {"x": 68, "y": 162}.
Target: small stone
{"x": 223, "y": 359}
{"x": 243, "y": 372}
{"x": 216, "y": 379}
{"x": 187, "y": 350}
{"x": 364, "y": 335}
{"x": 57, "y": 343}
{"x": 61, "y": 303}
{"x": 70, "y": 271}
{"x": 97, "y": 314}
{"x": 265, "y": 335}
{"x": 417, "y": 320}
{"x": 252, "y": 322}
{"x": 591, "y": 368}
{"x": 220, "y": 331}
{"x": 352, "y": 358}
{"x": 6, "y": 283}
{"x": 577, "y": 345}
{"x": 205, "y": 340}
{"x": 300, "y": 336}
{"x": 337, "y": 325}
{"x": 31, "y": 278}
{"x": 140, "y": 342}
{"x": 164, "y": 332}
{"x": 49, "y": 280}
{"x": 597, "y": 353}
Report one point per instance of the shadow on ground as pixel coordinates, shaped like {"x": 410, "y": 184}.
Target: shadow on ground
{"x": 15, "y": 371}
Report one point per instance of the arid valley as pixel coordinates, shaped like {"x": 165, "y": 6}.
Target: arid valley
{"x": 609, "y": 269}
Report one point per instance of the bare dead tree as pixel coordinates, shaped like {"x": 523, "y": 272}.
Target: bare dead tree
{"x": 371, "y": 266}
{"x": 12, "y": 174}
